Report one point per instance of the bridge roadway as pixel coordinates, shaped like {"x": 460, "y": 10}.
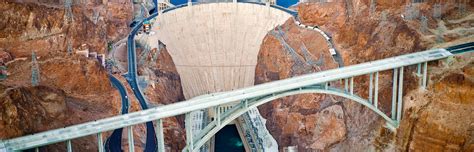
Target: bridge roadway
{"x": 271, "y": 88}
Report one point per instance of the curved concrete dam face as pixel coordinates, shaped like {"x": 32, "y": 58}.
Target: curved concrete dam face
{"x": 215, "y": 46}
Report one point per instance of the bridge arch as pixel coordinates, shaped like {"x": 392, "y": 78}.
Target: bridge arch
{"x": 245, "y": 106}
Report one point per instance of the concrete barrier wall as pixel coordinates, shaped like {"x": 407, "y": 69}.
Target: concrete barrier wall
{"x": 215, "y": 46}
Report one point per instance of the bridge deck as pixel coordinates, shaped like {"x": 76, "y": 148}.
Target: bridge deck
{"x": 80, "y": 130}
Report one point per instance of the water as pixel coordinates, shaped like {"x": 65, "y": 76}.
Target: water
{"x": 228, "y": 140}
{"x": 286, "y": 3}
{"x": 178, "y": 2}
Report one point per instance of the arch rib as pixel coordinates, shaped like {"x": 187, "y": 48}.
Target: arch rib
{"x": 243, "y": 109}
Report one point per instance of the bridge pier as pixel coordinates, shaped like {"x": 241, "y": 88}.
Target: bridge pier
{"x": 352, "y": 86}
{"x": 394, "y": 93}
{"x": 376, "y": 91}
{"x": 400, "y": 96}
{"x": 425, "y": 74}
{"x": 189, "y": 131}
{"x": 346, "y": 85}
{"x": 371, "y": 77}
{"x": 100, "y": 142}
{"x": 160, "y": 135}
{"x": 131, "y": 146}
{"x": 69, "y": 146}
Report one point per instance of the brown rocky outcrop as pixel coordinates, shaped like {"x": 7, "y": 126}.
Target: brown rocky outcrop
{"x": 439, "y": 118}
{"x": 41, "y": 26}
{"x": 27, "y": 110}
{"x": 359, "y": 36}
{"x": 292, "y": 119}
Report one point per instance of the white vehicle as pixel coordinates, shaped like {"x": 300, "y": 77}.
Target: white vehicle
{"x": 326, "y": 37}
{"x": 332, "y": 51}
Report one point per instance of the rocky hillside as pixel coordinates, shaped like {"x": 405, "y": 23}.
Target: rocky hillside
{"x": 43, "y": 26}
{"x": 360, "y": 34}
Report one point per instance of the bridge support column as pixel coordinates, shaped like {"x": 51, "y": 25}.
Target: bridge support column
{"x": 346, "y": 85}
{"x": 394, "y": 93}
{"x": 100, "y": 142}
{"x": 400, "y": 96}
{"x": 69, "y": 146}
{"x": 425, "y": 72}
{"x": 352, "y": 86}
{"x": 131, "y": 146}
{"x": 244, "y": 103}
{"x": 371, "y": 80}
{"x": 160, "y": 135}
{"x": 376, "y": 91}
{"x": 189, "y": 131}
{"x": 418, "y": 74}
{"x": 217, "y": 116}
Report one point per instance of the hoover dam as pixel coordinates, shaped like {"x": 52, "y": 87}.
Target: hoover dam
{"x": 215, "y": 46}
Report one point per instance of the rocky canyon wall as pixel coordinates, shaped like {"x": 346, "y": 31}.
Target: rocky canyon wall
{"x": 322, "y": 122}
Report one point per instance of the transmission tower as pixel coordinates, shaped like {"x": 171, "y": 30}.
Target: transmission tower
{"x": 35, "y": 75}
{"x": 372, "y": 7}
{"x": 439, "y": 34}
{"x": 68, "y": 16}
{"x": 437, "y": 10}
{"x": 69, "y": 47}
{"x": 424, "y": 24}
{"x": 462, "y": 8}
{"x": 411, "y": 12}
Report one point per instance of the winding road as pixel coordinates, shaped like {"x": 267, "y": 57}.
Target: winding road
{"x": 114, "y": 142}
{"x": 131, "y": 77}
